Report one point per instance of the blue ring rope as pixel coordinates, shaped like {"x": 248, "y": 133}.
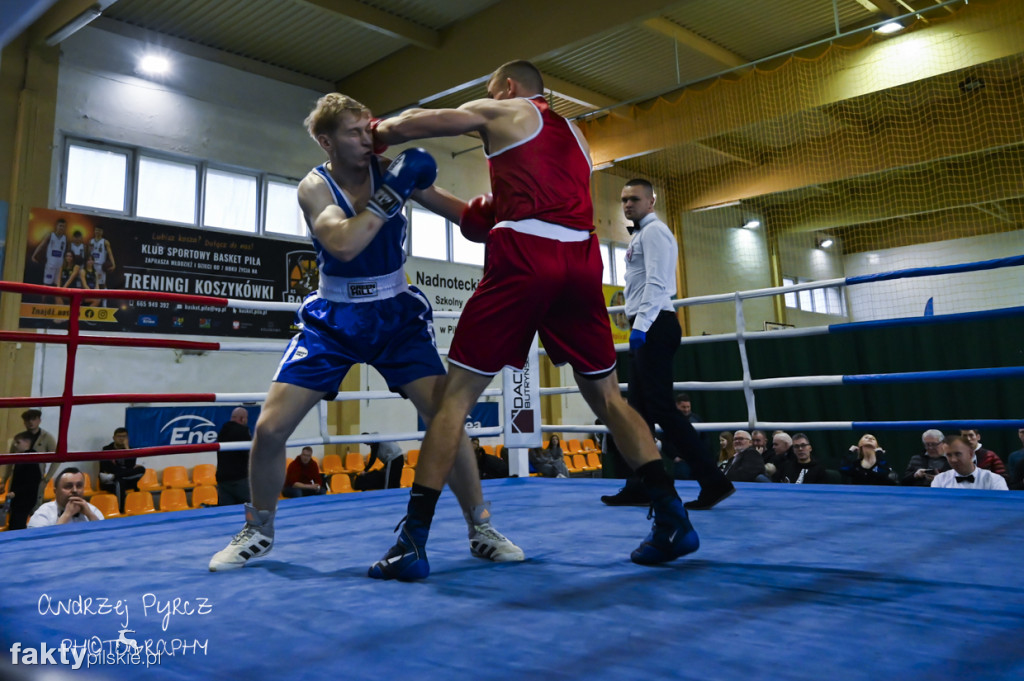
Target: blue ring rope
{"x": 944, "y": 375}
{"x": 1012, "y": 261}
{"x": 973, "y": 424}
{"x": 915, "y": 321}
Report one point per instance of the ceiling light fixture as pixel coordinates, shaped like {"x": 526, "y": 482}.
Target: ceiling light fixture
{"x": 825, "y": 242}
{"x": 751, "y": 224}
{"x": 889, "y": 28}
{"x": 154, "y": 64}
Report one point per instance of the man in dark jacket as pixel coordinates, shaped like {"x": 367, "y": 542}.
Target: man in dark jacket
{"x": 746, "y": 465}
{"x": 120, "y": 476}
{"x": 233, "y": 467}
{"x": 801, "y": 468}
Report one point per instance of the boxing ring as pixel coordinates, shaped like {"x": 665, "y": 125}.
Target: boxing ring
{"x": 791, "y": 582}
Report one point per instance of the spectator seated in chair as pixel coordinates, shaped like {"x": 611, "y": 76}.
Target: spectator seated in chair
{"x": 303, "y": 477}
{"x": 491, "y": 467}
{"x": 801, "y": 468}
{"x": 869, "y": 469}
{"x": 549, "y": 461}
{"x": 68, "y": 506}
{"x": 120, "y": 476}
{"x": 923, "y": 468}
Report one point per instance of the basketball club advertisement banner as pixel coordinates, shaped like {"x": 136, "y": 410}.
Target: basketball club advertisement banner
{"x": 113, "y": 253}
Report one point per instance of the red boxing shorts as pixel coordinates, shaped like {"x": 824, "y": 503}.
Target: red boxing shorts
{"x": 535, "y": 284}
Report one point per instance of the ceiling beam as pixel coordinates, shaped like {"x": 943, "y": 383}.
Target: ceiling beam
{"x": 379, "y": 21}
{"x": 688, "y": 38}
{"x": 61, "y": 14}
{"x": 886, "y": 7}
{"x": 576, "y": 93}
{"x": 474, "y": 47}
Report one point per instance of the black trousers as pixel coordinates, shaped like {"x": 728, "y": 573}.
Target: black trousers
{"x": 651, "y": 394}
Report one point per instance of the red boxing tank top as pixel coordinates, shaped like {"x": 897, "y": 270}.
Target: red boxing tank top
{"x": 545, "y": 177}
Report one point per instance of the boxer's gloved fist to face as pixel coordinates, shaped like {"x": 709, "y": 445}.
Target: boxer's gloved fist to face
{"x": 378, "y": 146}
{"x": 478, "y": 218}
{"x": 411, "y": 170}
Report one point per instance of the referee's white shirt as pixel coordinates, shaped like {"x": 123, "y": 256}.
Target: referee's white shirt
{"x": 650, "y": 271}
{"x": 983, "y": 479}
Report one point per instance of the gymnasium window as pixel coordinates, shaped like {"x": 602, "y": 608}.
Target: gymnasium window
{"x": 830, "y": 301}
{"x": 431, "y": 236}
{"x": 167, "y": 190}
{"x": 151, "y": 185}
{"x": 283, "y": 213}
{"x": 96, "y": 177}
{"x": 613, "y": 257}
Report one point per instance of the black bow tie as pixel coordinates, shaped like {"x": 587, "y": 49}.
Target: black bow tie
{"x": 965, "y": 478}
{"x": 632, "y": 227}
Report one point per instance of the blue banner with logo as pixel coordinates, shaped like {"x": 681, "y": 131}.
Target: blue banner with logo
{"x": 156, "y": 426}
{"x": 483, "y": 415}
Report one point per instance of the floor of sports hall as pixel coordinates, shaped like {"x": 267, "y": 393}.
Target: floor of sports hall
{"x": 791, "y": 582}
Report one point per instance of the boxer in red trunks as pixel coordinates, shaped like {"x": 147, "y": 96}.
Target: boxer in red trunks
{"x": 542, "y": 274}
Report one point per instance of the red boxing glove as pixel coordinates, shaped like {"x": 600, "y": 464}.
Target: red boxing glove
{"x": 478, "y": 218}
{"x": 378, "y": 146}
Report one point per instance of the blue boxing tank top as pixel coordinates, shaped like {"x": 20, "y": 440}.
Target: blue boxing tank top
{"x": 384, "y": 255}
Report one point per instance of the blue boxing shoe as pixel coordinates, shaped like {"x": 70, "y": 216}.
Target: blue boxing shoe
{"x": 672, "y": 536}
{"x": 406, "y": 561}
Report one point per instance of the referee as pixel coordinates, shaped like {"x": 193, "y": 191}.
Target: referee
{"x": 650, "y": 286}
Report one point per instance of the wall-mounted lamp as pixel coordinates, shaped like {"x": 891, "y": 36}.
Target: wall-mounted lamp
{"x": 75, "y": 25}
{"x": 825, "y": 242}
{"x": 154, "y": 64}
{"x": 751, "y": 224}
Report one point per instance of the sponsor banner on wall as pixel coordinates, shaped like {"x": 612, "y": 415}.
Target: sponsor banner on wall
{"x": 447, "y": 286}
{"x": 613, "y": 297}
{"x": 483, "y": 415}
{"x": 142, "y": 256}
{"x": 157, "y": 426}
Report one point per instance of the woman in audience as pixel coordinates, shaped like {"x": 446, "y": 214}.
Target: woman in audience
{"x": 548, "y": 460}
{"x": 869, "y": 469}
{"x": 725, "y": 449}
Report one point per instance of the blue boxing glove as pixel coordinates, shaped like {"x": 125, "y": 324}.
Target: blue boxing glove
{"x": 411, "y": 170}
{"x": 636, "y": 339}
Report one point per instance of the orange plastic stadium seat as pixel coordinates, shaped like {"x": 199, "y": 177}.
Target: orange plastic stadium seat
{"x": 412, "y": 457}
{"x": 488, "y": 449}
{"x": 204, "y": 495}
{"x": 150, "y": 481}
{"x": 89, "y": 489}
{"x": 593, "y": 461}
{"x": 332, "y": 464}
{"x": 579, "y": 463}
{"x": 569, "y": 464}
{"x": 341, "y": 483}
{"x": 354, "y": 462}
{"x": 590, "y": 446}
{"x": 138, "y": 503}
{"x": 176, "y": 477}
{"x": 107, "y": 503}
{"x": 408, "y": 475}
{"x": 574, "y": 447}
{"x": 204, "y": 474}
{"x": 48, "y": 492}
{"x": 173, "y": 500}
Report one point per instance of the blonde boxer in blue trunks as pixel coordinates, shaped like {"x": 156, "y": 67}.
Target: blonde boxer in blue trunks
{"x": 363, "y": 312}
